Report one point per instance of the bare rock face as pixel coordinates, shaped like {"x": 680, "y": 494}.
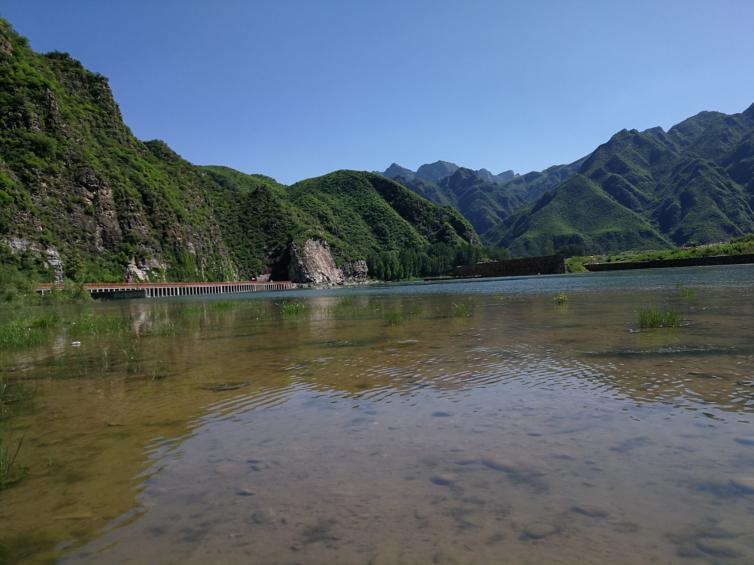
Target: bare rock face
{"x": 143, "y": 270}
{"x": 313, "y": 263}
{"x": 48, "y": 255}
{"x": 356, "y": 271}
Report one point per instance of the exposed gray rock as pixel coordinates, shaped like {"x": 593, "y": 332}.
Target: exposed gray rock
{"x": 142, "y": 270}
{"x": 356, "y": 271}
{"x": 313, "y": 263}
{"x": 48, "y": 255}
{"x": 55, "y": 263}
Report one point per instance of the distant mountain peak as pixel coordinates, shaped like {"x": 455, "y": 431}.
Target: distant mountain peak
{"x": 434, "y": 172}
{"x": 440, "y": 170}
{"x": 395, "y": 170}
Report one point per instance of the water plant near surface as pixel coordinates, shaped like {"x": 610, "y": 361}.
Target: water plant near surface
{"x": 461, "y": 310}
{"x": 393, "y": 318}
{"x": 91, "y": 324}
{"x": 10, "y": 472}
{"x": 22, "y": 333}
{"x": 650, "y": 318}
{"x": 560, "y": 299}
{"x": 11, "y": 395}
{"x": 292, "y": 309}
{"x": 221, "y": 305}
{"x": 684, "y": 291}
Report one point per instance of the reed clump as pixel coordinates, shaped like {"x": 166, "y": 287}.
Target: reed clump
{"x": 16, "y": 334}
{"x": 393, "y": 318}
{"x": 91, "y": 324}
{"x": 652, "y": 318}
{"x": 292, "y": 309}
{"x": 10, "y": 472}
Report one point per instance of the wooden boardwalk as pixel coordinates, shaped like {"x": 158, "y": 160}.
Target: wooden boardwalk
{"x": 163, "y": 290}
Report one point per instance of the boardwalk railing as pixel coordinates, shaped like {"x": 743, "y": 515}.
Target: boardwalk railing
{"x": 160, "y": 290}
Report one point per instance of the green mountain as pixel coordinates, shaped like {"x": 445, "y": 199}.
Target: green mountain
{"x": 640, "y": 190}
{"x": 692, "y": 184}
{"x": 578, "y": 214}
{"x": 484, "y": 199}
{"x": 80, "y": 196}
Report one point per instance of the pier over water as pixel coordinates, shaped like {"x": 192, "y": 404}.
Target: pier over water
{"x": 163, "y": 290}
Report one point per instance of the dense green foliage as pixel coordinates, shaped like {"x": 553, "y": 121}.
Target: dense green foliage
{"x": 365, "y": 215}
{"x": 75, "y": 183}
{"x": 737, "y": 246}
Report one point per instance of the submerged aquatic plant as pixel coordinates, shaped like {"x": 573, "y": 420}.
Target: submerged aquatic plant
{"x": 393, "y": 318}
{"x": 684, "y": 291}
{"x": 292, "y": 309}
{"x": 461, "y": 310}
{"x": 221, "y": 305}
{"x": 650, "y": 318}
{"x": 91, "y": 324}
{"x": 11, "y": 394}
{"x": 10, "y": 472}
{"x": 560, "y": 299}
{"x": 17, "y": 334}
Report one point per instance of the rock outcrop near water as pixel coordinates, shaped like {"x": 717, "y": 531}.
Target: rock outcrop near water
{"x": 90, "y": 202}
{"x": 312, "y": 262}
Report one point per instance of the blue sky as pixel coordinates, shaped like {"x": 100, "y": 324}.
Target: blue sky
{"x": 297, "y": 88}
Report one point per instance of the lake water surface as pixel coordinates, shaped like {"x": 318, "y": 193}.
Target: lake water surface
{"x": 463, "y": 422}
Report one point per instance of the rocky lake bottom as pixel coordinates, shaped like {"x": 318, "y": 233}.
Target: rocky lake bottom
{"x": 476, "y": 422}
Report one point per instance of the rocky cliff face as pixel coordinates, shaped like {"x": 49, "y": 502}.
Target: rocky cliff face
{"x": 312, "y": 262}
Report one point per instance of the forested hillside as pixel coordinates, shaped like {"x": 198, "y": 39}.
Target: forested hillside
{"x": 640, "y": 190}
{"x": 81, "y": 197}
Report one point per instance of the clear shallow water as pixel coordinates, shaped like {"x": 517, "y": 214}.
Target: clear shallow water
{"x": 469, "y": 422}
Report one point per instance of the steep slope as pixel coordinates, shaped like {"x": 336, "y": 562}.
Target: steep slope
{"x": 81, "y": 197}
{"x": 692, "y": 184}
{"x": 258, "y": 220}
{"x": 482, "y": 202}
{"x": 364, "y": 213}
{"x": 76, "y": 182}
{"x": 483, "y": 198}
{"x": 581, "y": 217}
